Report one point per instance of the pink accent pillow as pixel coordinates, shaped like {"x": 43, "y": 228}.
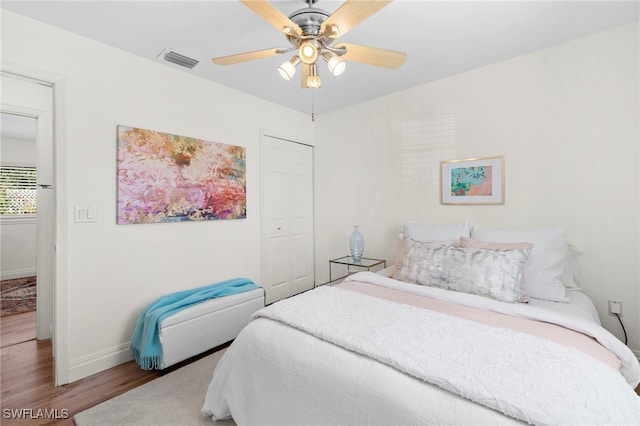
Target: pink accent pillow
{"x": 468, "y": 242}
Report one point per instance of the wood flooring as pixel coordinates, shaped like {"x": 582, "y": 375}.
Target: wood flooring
{"x": 28, "y": 396}
{"x": 17, "y": 328}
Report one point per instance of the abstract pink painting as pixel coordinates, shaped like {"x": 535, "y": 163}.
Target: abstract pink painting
{"x": 170, "y": 178}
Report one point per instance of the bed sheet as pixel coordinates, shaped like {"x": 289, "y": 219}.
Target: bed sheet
{"x": 579, "y": 304}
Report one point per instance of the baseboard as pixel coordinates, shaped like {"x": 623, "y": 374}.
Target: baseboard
{"x": 99, "y": 361}
{"x": 17, "y": 273}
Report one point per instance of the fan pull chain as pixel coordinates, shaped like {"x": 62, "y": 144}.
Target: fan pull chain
{"x": 313, "y": 107}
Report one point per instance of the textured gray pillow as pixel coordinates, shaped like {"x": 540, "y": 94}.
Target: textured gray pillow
{"x": 492, "y": 273}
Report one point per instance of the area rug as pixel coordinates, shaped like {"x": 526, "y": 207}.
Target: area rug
{"x": 173, "y": 399}
{"x": 18, "y": 296}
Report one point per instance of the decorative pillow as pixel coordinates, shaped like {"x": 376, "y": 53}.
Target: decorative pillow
{"x": 496, "y": 274}
{"x": 402, "y": 237}
{"x": 429, "y": 232}
{"x": 410, "y": 255}
{"x": 468, "y": 242}
{"x": 546, "y": 265}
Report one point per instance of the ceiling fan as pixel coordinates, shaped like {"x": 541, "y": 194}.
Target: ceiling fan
{"x": 312, "y": 33}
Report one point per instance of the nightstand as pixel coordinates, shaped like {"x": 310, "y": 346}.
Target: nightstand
{"x": 349, "y": 266}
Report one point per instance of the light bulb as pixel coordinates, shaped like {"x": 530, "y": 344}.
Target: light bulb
{"x": 308, "y": 52}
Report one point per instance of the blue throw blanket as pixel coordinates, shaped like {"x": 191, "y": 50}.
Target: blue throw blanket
{"x": 145, "y": 344}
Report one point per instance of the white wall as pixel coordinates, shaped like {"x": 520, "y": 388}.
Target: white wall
{"x": 17, "y": 234}
{"x": 113, "y": 271}
{"x": 565, "y": 119}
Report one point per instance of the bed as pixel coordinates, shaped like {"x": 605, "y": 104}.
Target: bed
{"x": 470, "y": 326}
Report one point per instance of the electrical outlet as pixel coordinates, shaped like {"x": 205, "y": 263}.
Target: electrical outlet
{"x": 615, "y": 307}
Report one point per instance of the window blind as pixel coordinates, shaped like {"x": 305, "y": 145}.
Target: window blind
{"x": 18, "y": 190}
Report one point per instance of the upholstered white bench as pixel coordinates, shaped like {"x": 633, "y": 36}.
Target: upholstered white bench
{"x": 206, "y": 325}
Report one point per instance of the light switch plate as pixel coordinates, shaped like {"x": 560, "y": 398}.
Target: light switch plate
{"x": 85, "y": 214}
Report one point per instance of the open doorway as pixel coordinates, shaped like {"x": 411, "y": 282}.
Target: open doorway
{"x": 18, "y": 228}
{"x": 32, "y": 99}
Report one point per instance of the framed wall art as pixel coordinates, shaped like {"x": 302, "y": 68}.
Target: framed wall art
{"x": 472, "y": 181}
{"x": 170, "y": 178}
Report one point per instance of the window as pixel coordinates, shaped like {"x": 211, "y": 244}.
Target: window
{"x": 17, "y": 190}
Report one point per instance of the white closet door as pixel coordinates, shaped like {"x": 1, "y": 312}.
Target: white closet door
{"x": 287, "y": 217}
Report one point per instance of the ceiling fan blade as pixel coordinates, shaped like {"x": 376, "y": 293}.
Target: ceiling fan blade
{"x": 351, "y": 14}
{"x": 269, "y": 13}
{"x": 373, "y": 55}
{"x": 305, "y": 71}
{"x": 247, "y": 56}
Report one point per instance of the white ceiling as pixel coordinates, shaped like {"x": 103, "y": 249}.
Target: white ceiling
{"x": 441, "y": 38}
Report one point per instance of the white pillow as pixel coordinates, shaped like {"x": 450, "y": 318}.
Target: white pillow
{"x": 546, "y": 266}
{"x": 571, "y": 275}
{"x": 430, "y": 232}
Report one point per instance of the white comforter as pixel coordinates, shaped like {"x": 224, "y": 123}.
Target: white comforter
{"x": 270, "y": 374}
{"x": 630, "y": 367}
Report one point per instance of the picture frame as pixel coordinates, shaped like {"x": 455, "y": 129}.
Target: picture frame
{"x": 472, "y": 181}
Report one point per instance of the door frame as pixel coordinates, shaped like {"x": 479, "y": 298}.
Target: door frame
{"x": 60, "y": 321}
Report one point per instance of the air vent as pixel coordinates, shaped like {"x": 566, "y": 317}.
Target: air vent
{"x": 178, "y": 59}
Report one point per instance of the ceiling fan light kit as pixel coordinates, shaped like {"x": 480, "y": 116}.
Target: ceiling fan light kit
{"x": 334, "y": 63}
{"x": 308, "y": 51}
{"x": 288, "y": 69}
{"x": 313, "y": 32}
{"x": 313, "y": 79}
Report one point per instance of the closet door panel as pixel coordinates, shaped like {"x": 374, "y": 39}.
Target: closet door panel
{"x": 275, "y": 241}
{"x": 287, "y": 217}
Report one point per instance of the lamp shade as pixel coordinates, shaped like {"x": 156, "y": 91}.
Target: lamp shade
{"x": 308, "y": 52}
{"x": 336, "y": 66}
{"x": 313, "y": 79}
{"x": 288, "y": 69}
